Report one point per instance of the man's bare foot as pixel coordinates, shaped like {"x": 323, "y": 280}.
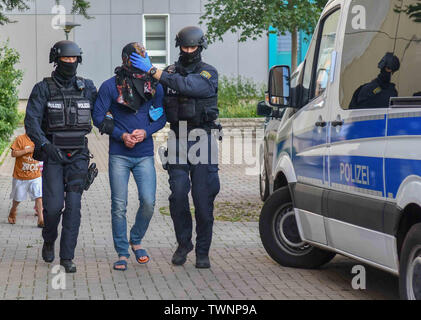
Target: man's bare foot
{"x": 12, "y": 216}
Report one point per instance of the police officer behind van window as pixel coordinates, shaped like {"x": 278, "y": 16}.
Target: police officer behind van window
{"x": 191, "y": 88}
{"x": 58, "y": 118}
{"x": 377, "y": 93}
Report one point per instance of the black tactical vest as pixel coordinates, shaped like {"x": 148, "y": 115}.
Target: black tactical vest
{"x": 199, "y": 113}
{"x": 68, "y": 116}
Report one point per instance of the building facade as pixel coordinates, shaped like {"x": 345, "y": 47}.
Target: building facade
{"x": 116, "y": 23}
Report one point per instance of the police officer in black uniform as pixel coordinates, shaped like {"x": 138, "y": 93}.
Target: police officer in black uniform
{"x": 58, "y": 118}
{"x": 377, "y": 93}
{"x": 191, "y": 88}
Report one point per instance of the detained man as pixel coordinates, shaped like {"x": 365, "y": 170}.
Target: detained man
{"x": 129, "y": 109}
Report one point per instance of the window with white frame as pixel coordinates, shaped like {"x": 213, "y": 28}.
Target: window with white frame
{"x": 156, "y": 39}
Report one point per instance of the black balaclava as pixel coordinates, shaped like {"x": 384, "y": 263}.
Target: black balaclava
{"x": 187, "y": 59}
{"x": 391, "y": 62}
{"x": 66, "y": 70}
{"x": 384, "y": 77}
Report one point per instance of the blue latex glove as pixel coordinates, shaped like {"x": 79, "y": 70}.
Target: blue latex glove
{"x": 156, "y": 113}
{"x": 141, "y": 63}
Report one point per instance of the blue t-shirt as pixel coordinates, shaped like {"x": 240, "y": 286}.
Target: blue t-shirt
{"x": 128, "y": 121}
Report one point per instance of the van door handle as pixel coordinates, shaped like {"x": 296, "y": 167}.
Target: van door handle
{"x": 321, "y": 124}
{"x": 337, "y": 123}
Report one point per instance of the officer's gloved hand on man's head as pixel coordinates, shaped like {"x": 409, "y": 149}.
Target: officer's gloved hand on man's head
{"x": 142, "y": 63}
{"x": 53, "y": 153}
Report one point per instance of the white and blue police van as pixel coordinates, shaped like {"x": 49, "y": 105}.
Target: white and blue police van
{"x": 346, "y": 179}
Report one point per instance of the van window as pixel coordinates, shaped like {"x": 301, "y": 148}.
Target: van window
{"x": 326, "y": 47}
{"x": 315, "y": 84}
{"x": 380, "y": 30}
{"x": 308, "y": 69}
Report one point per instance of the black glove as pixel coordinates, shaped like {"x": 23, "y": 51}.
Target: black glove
{"x": 107, "y": 126}
{"x": 53, "y": 152}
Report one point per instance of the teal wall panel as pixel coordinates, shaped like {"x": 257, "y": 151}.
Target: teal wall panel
{"x": 278, "y": 55}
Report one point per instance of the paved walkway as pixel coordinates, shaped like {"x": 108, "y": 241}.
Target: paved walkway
{"x": 241, "y": 269}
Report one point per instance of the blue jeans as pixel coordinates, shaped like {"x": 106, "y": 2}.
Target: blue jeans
{"x": 143, "y": 170}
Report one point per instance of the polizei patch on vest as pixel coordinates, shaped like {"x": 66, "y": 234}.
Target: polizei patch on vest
{"x": 205, "y": 74}
{"x": 54, "y": 105}
{"x": 83, "y": 105}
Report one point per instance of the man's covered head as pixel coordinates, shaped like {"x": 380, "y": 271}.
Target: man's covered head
{"x": 132, "y": 48}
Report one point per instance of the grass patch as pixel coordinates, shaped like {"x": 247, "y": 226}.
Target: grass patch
{"x": 228, "y": 211}
{"x": 238, "y": 97}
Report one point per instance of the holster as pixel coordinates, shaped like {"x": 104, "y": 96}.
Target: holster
{"x": 90, "y": 177}
{"x": 69, "y": 140}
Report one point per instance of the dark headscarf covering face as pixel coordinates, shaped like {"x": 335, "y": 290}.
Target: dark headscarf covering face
{"x": 134, "y": 86}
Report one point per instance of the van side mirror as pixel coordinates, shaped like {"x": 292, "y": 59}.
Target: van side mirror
{"x": 263, "y": 110}
{"x": 279, "y": 86}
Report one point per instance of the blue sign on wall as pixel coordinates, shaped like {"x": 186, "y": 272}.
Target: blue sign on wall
{"x": 280, "y": 48}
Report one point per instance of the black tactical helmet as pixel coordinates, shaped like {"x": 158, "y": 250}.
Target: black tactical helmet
{"x": 390, "y": 61}
{"x": 65, "y": 48}
{"x": 191, "y": 37}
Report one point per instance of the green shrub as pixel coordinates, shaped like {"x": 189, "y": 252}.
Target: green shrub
{"x": 10, "y": 79}
{"x": 238, "y": 97}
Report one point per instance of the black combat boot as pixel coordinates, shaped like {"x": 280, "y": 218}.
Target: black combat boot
{"x": 48, "y": 252}
{"x": 180, "y": 255}
{"x": 202, "y": 262}
{"x": 68, "y": 265}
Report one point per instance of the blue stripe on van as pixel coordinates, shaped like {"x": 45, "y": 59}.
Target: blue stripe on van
{"x": 398, "y": 170}
{"x": 404, "y": 126}
{"x": 359, "y": 130}
{"x": 309, "y": 166}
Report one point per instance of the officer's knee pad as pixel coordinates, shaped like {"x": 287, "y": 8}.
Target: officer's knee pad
{"x": 76, "y": 183}
{"x": 213, "y": 180}
{"x": 52, "y": 207}
{"x": 179, "y": 180}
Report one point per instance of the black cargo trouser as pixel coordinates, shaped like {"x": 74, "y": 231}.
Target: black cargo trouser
{"x": 203, "y": 181}
{"x": 62, "y": 187}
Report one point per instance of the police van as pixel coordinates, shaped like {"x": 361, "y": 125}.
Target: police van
{"x": 341, "y": 157}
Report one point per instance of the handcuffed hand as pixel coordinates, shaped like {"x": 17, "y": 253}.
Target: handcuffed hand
{"x": 141, "y": 63}
{"x": 139, "y": 135}
{"x": 129, "y": 140}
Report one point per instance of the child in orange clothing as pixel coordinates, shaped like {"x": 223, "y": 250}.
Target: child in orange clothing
{"x": 27, "y": 179}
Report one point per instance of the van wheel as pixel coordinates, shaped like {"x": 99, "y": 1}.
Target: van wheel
{"x": 263, "y": 183}
{"x": 280, "y": 236}
{"x": 410, "y": 265}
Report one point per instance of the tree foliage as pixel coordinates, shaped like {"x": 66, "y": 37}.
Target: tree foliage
{"x": 413, "y": 11}
{"x": 78, "y": 7}
{"x": 10, "y": 78}
{"x": 253, "y": 18}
